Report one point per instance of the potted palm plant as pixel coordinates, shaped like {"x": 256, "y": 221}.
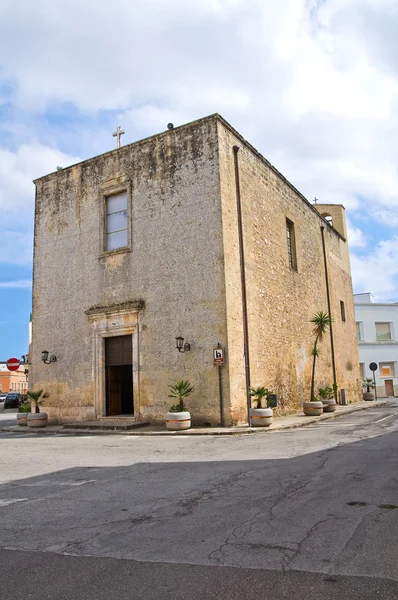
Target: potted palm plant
{"x": 369, "y": 386}
{"x": 260, "y": 416}
{"x": 321, "y": 322}
{"x": 37, "y": 418}
{"x": 326, "y": 396}
{"x": 178, "y": 418}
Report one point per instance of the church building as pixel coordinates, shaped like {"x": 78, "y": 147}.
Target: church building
{"x": 185, "y": 255}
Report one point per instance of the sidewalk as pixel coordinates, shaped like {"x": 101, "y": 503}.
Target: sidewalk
{"x": 279, "y": 423}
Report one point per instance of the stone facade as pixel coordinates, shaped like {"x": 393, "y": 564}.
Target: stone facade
{"x": 180, "y": 275}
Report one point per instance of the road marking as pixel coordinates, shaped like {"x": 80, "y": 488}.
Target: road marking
{"x": 338, "y": 424}
{"x": 64, "y": 483}
{"x": 335, "y": 425}
{"x": 384, "y": 418}
{"x": 11, "y": 501}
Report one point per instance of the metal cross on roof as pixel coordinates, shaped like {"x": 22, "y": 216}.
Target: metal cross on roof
{"x": 118, "y": 134}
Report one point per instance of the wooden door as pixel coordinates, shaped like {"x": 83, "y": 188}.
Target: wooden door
{"x": 119, "y": 350}
{"x": 389, "y": 388}
{"x": 113, "y": 400}
{"x": 119, "y": 375}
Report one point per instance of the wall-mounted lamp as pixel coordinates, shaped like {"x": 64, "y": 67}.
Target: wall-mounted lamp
{"x": 46, "y": 359}
{"x": 181, "y": 347}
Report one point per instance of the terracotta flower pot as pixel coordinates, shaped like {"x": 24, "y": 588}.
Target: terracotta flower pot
{"x": 177, "y": 421}
{"x": 313, "y": 409}
{"x": 22, "y": 418}
{"x": 37, "y": 419}
{"x": 261, "y": 417}
{"x": 329, "y": 405}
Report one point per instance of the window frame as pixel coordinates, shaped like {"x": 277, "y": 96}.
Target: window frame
{"x": 106, "y": 192}
{"x": 391, "y": 365}
{"x": 390, "y": 331}
{"x": 108, "y": 216}
{"x": 291, "y": 244}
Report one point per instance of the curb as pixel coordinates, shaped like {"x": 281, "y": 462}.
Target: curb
{"x": 193, "y": 432}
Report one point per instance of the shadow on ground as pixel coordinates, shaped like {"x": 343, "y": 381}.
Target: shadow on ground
{"x": 317, "y": 519}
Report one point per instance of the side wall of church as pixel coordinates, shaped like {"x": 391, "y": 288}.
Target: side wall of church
{"x": 281, "y": 300}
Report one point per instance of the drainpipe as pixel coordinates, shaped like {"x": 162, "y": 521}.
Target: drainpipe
{"x": 330, "y": 312}
{"x": 220, "y": 393}
{"x": 243, "y": 284}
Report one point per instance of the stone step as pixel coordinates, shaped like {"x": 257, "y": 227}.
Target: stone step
{"x": 118, "y": 418}
{"x": 107, "y": 423}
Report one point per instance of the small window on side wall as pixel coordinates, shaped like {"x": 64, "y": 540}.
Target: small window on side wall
{"x": 116, "y": 226}
{"x": 291, "y": 244}
{"x": 342, "y": 311}
{"x": 362, "y": 370}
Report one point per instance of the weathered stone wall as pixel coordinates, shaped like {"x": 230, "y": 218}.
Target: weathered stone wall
{"x": 281, "y": 301}
{"x": 174, "y": 267}
{"x": 182, "y": 271}
{"x": 344, "y": 332}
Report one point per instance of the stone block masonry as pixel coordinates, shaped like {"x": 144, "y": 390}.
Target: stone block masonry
{"x": 180, "y": 275}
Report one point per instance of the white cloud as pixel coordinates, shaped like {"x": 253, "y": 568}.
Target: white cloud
{"x": 19, "y": 167}
{"x": 20, "y": 283}
{"x": 313, "y": 84}
{"x": 378, "y": 270}
{"x": 356, "y": 237}
{"x": 386, "y": 216}
{"x": 17, "y": 170}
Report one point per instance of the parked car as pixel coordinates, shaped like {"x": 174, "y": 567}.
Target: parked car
{"x": 2, "y": 397}
{"x": 13, "y": 400}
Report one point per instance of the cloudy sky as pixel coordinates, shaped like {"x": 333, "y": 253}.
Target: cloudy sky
{"x": 311, "y": 83}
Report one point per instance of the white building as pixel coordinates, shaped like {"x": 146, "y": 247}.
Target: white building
{"x": 377, "y": 335}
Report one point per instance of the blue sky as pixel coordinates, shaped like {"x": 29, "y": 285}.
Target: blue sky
{"x": 312, "y": 84}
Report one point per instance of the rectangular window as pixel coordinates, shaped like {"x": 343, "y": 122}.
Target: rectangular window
{"x": 116, "y": 221}
{"x": 383, "y": 331}
{"x": 358, "y": 326}
{"x": 342, "y": 311}
{"x": 362, "y": 370}
{"x": 387, "y": 369}
{"x": 291, "y": 244}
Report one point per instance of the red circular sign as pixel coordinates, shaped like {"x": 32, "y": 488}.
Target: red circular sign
{"x": 13, "y": 364}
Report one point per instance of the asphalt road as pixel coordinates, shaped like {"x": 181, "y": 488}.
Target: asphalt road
{"x": 8, "y": 417}
{"x": 307, "y": 513}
